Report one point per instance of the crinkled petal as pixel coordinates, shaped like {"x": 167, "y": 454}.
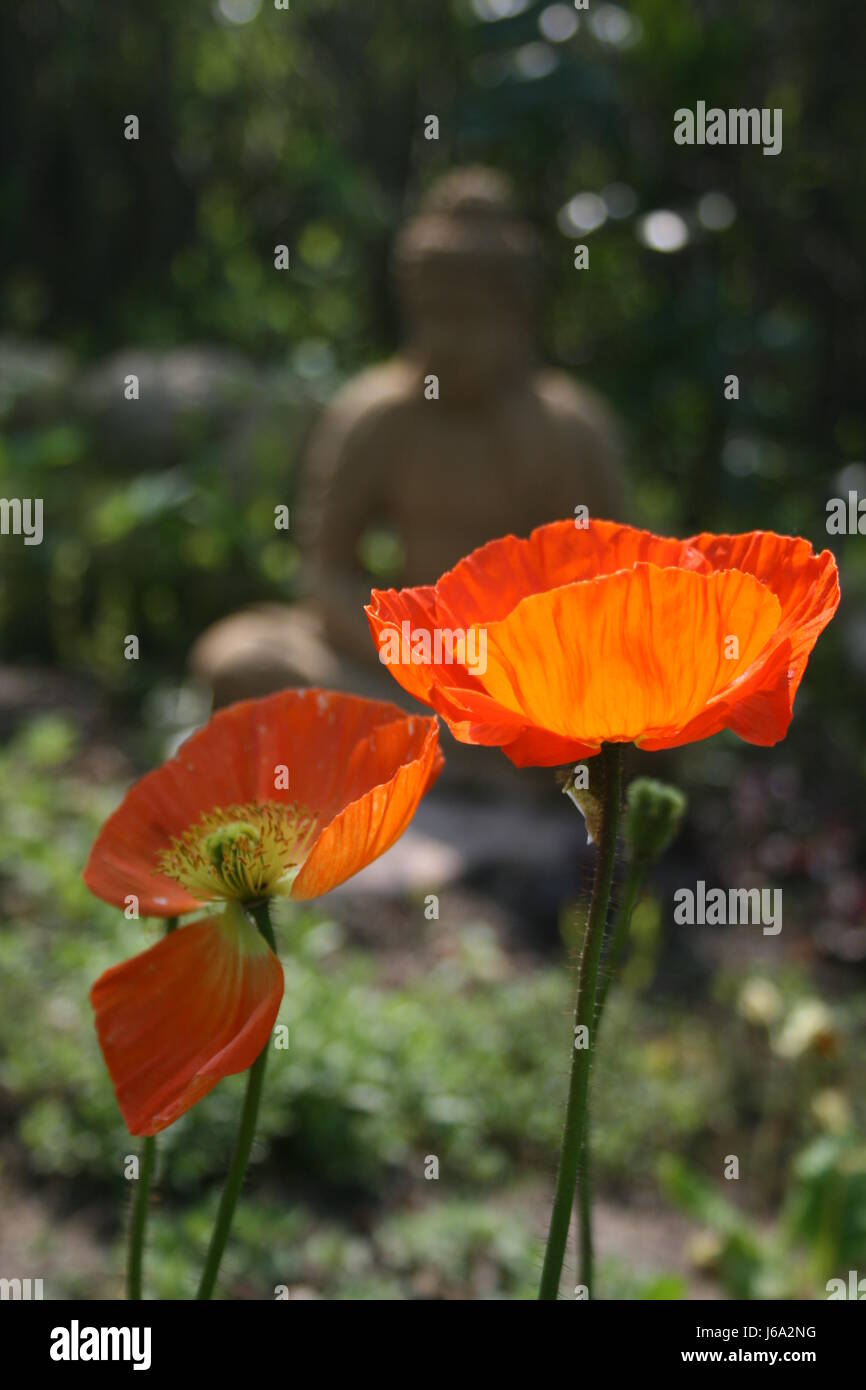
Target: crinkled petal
{"x": 583, "y": 645}
{"x": 387, "y": 613}
{"x": 632, "y": 656}
{"x": 489, "y": 583}
{"x": 173, "y": 1021}
{"x": 807, "y": 587}
{"x": 368, "y": 826}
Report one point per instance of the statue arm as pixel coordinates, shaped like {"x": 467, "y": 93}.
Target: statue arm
{"x": 345, "y": 496}
{"x": 588, "y": 434}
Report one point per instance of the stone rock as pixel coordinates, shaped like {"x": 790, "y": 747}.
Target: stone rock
{"x": 34, "y": 381}
{"x": 262, "y": 649}
{"x": 177, "y": 390}
{"x": 451, "y": 840}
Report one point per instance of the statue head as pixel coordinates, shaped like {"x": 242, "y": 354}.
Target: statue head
{"x": 465, "y": 270}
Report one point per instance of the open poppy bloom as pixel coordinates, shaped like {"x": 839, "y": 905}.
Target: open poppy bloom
{"x": 287, "y": 796}
{"x": 551, "y": 646}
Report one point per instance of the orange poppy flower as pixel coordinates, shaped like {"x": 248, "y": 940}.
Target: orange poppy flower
{"x": 550, "y": 646}
{"x": 285, "y": 796}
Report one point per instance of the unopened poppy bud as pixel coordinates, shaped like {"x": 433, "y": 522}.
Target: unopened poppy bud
{"x": 654, "y": 812}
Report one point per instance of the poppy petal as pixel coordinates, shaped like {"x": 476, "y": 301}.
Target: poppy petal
{"x": 637, "y": 654}
{"x": 474, "y": 717}
{"x": 488, "y": 584}
{"x": 340, "y": 747}
{"x": 329, "y": 743}
{"x": 387, "y": 613}
{"x": 369, "y": 825}
{"x": 807, "y": 587}
{"x": 197, "y": 1006}
{"x": 758, "y": 708}
{"x": 544, "y": 698}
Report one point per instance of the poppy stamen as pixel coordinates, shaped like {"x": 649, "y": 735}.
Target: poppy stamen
{"x": 242, "y": 853}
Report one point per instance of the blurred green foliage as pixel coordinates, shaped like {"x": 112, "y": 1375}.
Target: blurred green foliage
{"x": 261, "y": 127}
{"x": 159, "y": 555}
{"x": 455, "y": 1062}
{"x": 306, "y": 128}
{"x": 819, "y": 1235}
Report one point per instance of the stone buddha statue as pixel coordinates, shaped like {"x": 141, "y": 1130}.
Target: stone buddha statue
{"x": 461, "y": 437}
{"x": 458, "y": 439}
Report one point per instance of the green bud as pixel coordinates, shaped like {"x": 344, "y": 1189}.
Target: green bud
{"x": 654, "y": 812}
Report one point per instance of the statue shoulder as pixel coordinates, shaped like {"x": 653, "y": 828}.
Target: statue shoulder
{"x": 585, "y": 430}
{"x": 578, "y": 408}
{"x": 348, "y": 457}
{"x": 371, "y": 398}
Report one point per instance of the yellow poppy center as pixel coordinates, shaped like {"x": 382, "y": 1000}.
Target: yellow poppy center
{"x": 241, "y": 852}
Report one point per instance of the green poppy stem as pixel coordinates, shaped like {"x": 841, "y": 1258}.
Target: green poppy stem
{"x": 584, "y": 1018}
{"x": 243, "y": 1144}
{"x": 633, "y": 888}
{"x": 622, "y": 921}
{"x": 585, "y": 1246}
{"x": 140, "y": 1207}
{"x": 138, "y": 1224}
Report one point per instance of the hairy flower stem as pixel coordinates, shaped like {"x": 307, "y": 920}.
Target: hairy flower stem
{"x": 583, "y": 1205}
{"x": 619, "y": 936}
{"x": 243, "y": 1144}
{"x": 584, "y": 1018}
{"x": 138, "y": 1223}
{"x": 633, "y": 888}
